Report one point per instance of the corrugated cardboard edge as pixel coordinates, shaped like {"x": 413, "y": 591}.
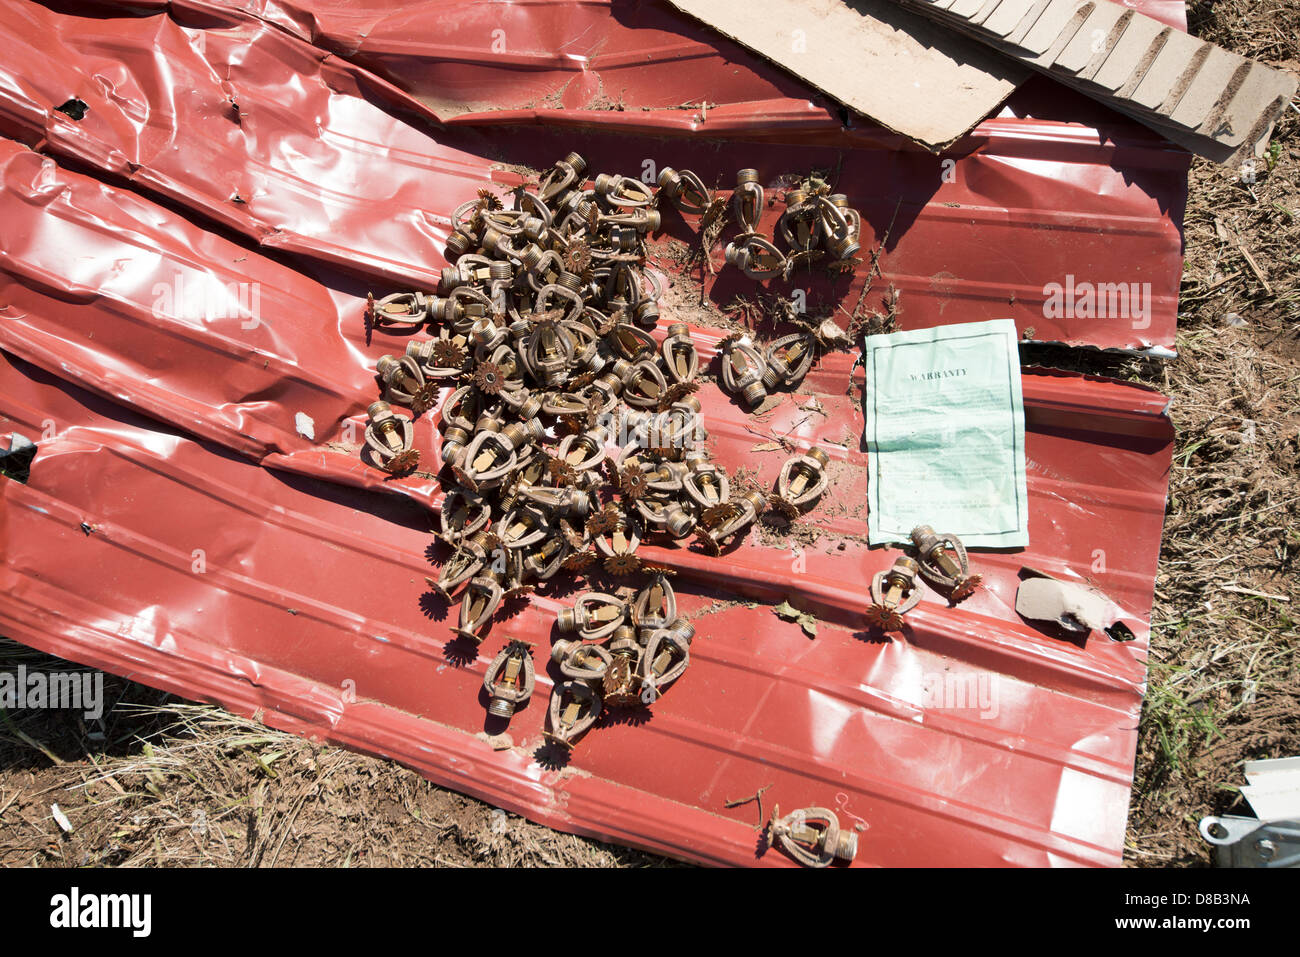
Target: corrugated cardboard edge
{"x": 911, "y": 76}
{"x": 1206, "y": 99}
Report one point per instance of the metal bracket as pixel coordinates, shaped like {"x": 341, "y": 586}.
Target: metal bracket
{"x": 1249, "y": 842}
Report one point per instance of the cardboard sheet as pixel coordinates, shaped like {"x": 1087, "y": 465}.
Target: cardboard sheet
{"x": 907, "y": 74}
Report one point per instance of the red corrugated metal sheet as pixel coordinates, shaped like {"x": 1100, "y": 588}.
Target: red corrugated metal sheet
{"x": 222, "y": 148}
{"x": 247, "y": 124}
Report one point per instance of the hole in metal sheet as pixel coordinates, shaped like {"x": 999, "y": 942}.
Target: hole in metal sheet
{"x": 16, "y": 461}
{"x": 1120, "y": 632}
{"x": 74, "y": 108}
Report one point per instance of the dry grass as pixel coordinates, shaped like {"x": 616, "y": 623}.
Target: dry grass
{"x": 164, "y": 782}
{"x": 1223, "y": 686}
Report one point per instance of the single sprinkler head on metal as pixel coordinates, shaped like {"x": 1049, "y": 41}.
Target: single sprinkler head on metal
{"x": 666, "y": 478}
{"x": 895, "y": 591}
{"x": 510, "y": 679}
{"x": 549, "y": 354}
{"x": 487, "y": 460}
{"x": 665, "y": 659}
{"x": 944, "y": 564}
{"x": 460, "y": 242}
{"x": 839, "y": 226}
{"x": 520, "y": 435}
{"x": 797, "y": 225}
{"x": 581, "y": 661}
{"x": 466, "y": 562}
{"x": 707, "y": 486}
{"x": 623, "y": 192}
{"x": 679, "y": 354}
{"x": 756, "y": 257}
{"x": 523, "y": 527}
{"x": 482, "y": 597}
{"x": 522, "y": 402}
{"x": 547, "y": 558}
{"x": 803, "y": 478}
{"x": 594, "y": 616}
{"x": 584, "y": 451}
{"x": 631, "y": 343}
{"x": 655, "y": 605}
{"x": 404, "y": 382}
{"x": 623, "y": 538}
{"x": 686, "y": 190}
{"x": 743, "y": 367}
{"x": 463, "y": 513}
{"x": 812, "y": 836}
{"x": 622, "y": 682}
{"x": 788, "y": 360}
{"x": 644, "y": 385}
{"x": 558, "y": 502}
{"x": 561, "y": 180}
{"x": 575, "y": 706}
{"x": 390, "y": 436}
{"x": 679, "y": 521}
{"x": 441, "y": 358}
{"x": 729, "y": 520}
{"x": 748, "y": 200}
{"x": 402, "y": 310}
{"x": 643, "y": 219}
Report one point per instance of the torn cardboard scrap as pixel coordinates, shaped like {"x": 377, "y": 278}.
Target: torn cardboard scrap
{"x": 945, "y": 430}
{"x": 905, "y": 73}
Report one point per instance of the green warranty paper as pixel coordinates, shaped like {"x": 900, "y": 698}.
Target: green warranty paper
{"x": 946, "y": 434}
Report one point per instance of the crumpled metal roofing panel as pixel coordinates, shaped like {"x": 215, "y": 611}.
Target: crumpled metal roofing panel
{"x": 247, "y": 124}
{"x": 310, "y": 580}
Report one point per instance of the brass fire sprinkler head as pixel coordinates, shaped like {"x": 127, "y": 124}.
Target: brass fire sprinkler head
{"x": 733, "y": 518}
{"x": 743, "y": 367}
{"x": 621, "y": 685}
{"x": 756, "y": 257}
{"x": 788, "y": 360}
{"x": 575, "y": 706}
{"x": 463, "y": 514}
{"x": 405, "y": 383}
{"x": 389, "y": 436}
{"x": 803, "y": 479}
{"x": 895, "y": 592}
{"x": 943, "y": 563}
{"x": 467, "y": 561}
{"x": 655, "y": 605}
{"x": 748, "y": 201}
{"x": 812, "y": 836}
{"x": 402, "y": 309}
{"x": 686, "y": 190}
{"x": 510, "y": 679}
{"x": 483, "y": 596}
{"x": 594, "y": 616}
{"x": 666, "y": 656}
{"x": 581, "y": 661}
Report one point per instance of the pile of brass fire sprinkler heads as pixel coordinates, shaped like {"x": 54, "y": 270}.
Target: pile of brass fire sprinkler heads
{"x": 622, "y": 653}
{"x": 940, "y": 559}
{"x": 815, "y": 225}
{"x": 570, "y": 435}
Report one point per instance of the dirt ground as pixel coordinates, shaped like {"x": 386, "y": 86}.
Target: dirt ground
{"x": 166, "y": 782}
